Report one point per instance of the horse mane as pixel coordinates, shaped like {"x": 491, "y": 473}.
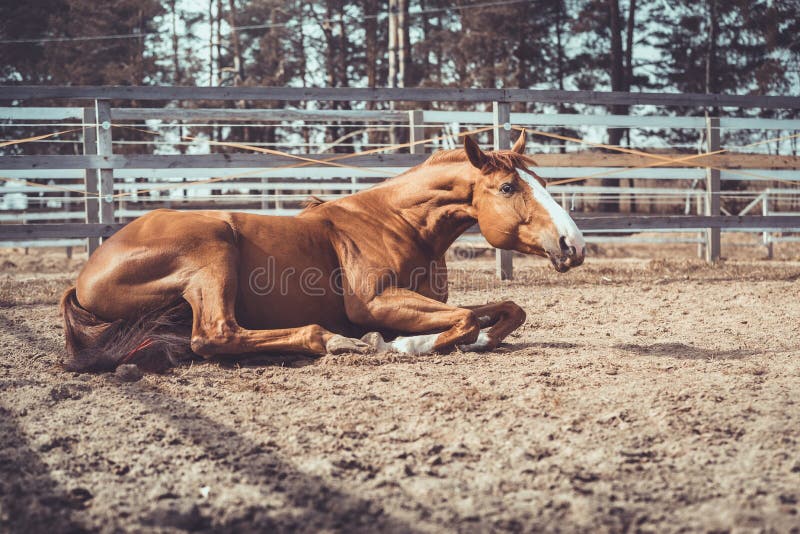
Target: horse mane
{"x": 312, "y": 202}
{"x": 495, "y": 160}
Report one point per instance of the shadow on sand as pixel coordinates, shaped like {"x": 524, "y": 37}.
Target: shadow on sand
{"x": 311, "y": 505}
{"x": 547, "y": 345}
{"x": 30, "y": 500}
{"x": 684, "y": 351}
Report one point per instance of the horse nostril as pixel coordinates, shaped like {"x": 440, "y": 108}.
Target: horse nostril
{"x": 562, "y": 242}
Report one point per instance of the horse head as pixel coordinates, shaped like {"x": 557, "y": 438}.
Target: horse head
{"x": 518, "y": 214}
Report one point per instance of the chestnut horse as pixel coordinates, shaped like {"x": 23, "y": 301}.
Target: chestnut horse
{"x": 370, "y": 264}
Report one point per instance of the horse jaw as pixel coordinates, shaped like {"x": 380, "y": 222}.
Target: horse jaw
{"x": 570, "y": 247}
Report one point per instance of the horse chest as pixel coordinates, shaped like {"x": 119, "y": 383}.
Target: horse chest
{"x": 424, "y": 276}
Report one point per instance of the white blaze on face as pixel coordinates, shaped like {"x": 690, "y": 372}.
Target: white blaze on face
{"x": 564, "y": 224}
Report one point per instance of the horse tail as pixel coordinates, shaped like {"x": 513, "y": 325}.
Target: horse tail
{"x": 154, "y": 342}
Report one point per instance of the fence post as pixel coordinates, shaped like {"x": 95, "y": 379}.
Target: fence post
{"x": 504, "y": 263}
{"x": 416, "y": 131}
{"x": 104, "y": 148}
{"x": 263, "y": 194}
{"x": 699, "y": 201}
{"x": 713, "y": 241}
{"x": 90, "y": 176}
{"x": 765, "y": 212}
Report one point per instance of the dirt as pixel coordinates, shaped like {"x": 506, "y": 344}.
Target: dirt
{"x": 640, "y": 395}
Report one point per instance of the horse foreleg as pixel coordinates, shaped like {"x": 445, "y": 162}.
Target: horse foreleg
{"x": 215, "y": 330}
{"x": 402, "y": 310}
{"x": 502, "y": 318}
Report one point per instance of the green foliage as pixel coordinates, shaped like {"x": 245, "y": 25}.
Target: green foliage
{"x": 128, "y": 61}
{"x": 538, "y": 43}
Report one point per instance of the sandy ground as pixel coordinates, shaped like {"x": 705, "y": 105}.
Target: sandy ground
{"x": 641, "y": 395}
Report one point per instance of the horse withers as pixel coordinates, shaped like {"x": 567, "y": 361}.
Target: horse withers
{"x": 341, "y": 276}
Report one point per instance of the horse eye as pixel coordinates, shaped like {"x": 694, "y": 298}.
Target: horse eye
{"x": 507, "y": 188}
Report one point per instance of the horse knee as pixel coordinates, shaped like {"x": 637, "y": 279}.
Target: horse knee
{"x": 470, "y": 326}
{"x": 515, "y": 313}
{"x": 219, "y": 338}
{"x": 315, "y": 338}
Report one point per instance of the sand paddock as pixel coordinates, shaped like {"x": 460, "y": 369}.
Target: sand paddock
{"x": 641, "y": 395}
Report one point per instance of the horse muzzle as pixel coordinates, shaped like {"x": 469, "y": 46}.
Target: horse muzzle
{"x": 567, "y": 257}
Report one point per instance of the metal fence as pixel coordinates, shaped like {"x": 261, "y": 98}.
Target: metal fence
{"x": 117, "y": 162}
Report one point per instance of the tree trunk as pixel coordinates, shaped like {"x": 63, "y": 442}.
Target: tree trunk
{"x": 629, "y": 44}
{"x": 331, "y": 62}
{"x": 218, "y": 31}
{"x": 176, "y": 64}
{"x": 238, "y": 65}
{"x": 344, "y": 79}
{"x": 210, "y": 43}
{"x": 175, "y": 48}
{"x": 560, "y": 60}
{"x": 629, "y": 80}
{"x": 423, "y": 68}
{"x": 371, "y": 44}
{"x": 403, "y": 45}
{"x": 711, "y": 50}
{"x": 371, "y": 53}
{"x": 392, "y": 82}
{"x": 393, "y": 43}
{"x": 330, "y": 48}
{"x": 439, "y": 51}
{"x": 344, "y": 47}
{"x": 522, "y": 55}
{"x": 217, "y": 132}
{"x": 617, "y": 72}
{"x": 139, "y": 60}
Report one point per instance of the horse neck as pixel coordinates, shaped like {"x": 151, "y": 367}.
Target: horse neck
{"x": 435, "y": 200}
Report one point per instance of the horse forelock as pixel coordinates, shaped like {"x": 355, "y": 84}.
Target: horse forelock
{"x": 496, "y": 160}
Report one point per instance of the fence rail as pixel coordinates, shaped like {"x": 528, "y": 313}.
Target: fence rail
{"x": 605, "y": 224}
{"x": 347, "y": 94}
{"x": 233, "y": 161}
{"x": 119, "y": 186}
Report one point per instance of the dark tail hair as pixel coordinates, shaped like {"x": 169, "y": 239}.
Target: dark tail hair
{"x": 154, "y": 342}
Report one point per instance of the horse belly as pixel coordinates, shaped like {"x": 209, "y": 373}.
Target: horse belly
{"x": 290, "y": 310}
{"x": 291, "y": 282}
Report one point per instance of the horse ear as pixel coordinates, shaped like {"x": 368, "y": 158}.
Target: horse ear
{"x": 474, "y": 152}
{"x": 519, "y": 145}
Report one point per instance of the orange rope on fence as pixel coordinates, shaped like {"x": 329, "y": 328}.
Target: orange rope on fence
{"x": 773, "y": 140}
{"x": 262, "y": 150}
{"x": 663, "y": 160}
{"x": 620, "y": 171}
{"x": 51, "y": 187}
{"x": 306, "y": 161}
{"x": 327, "y": 161}
{"x": 181, "y": 185}
{"x": 36, "y": 137}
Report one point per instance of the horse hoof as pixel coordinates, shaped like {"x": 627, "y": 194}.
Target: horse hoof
{"x": 343, "y": 345}
{"x": 482, "y": 344}
{"x": 375, "y": 340}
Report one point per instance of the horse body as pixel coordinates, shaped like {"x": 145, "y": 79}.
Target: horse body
{"x": 315, "y": 283}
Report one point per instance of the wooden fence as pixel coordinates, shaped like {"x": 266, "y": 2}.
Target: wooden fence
{"x": 105, "y": 174}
